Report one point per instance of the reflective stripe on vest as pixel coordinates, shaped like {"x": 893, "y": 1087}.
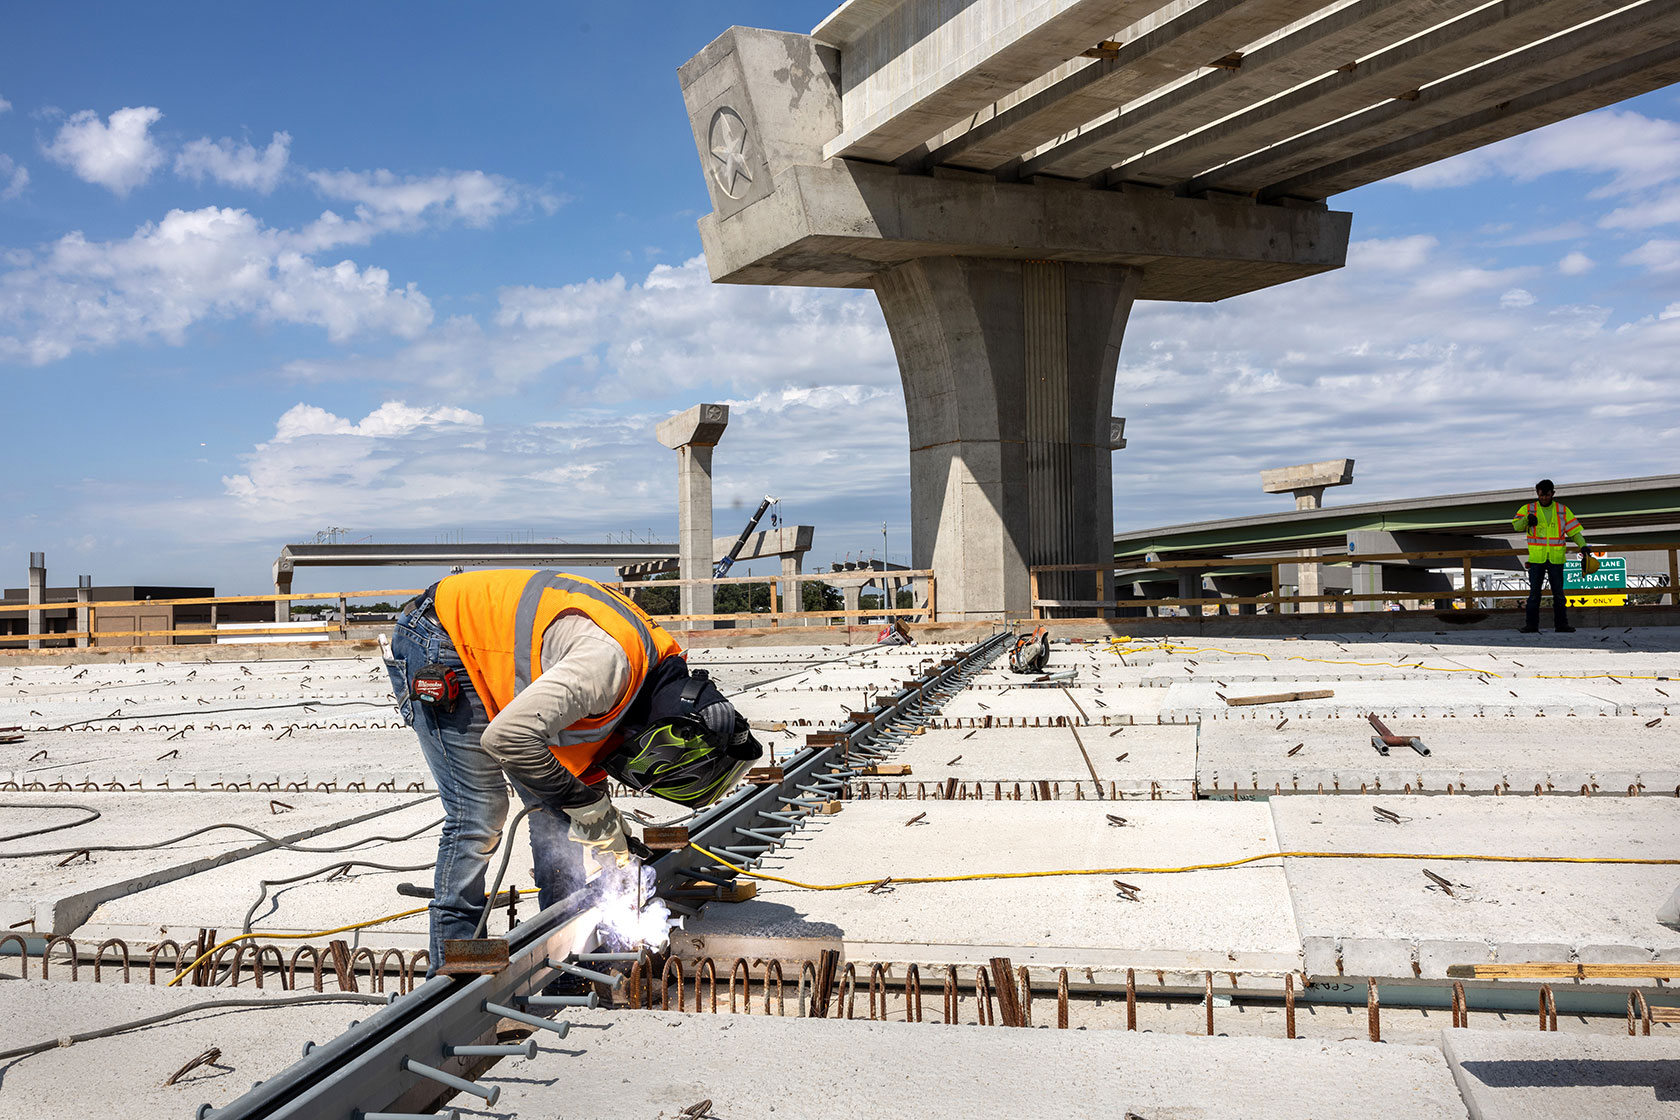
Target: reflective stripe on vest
{"x": 1565, "y": 524}
{"x": 496, "y": 621}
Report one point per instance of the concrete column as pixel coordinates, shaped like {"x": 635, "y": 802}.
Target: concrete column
{"x": 793, "y": 594}
{"x": 1008, "y": 370}
{"x": 37, "y": 595}
{"x": 692, "y": 434}
{"x": 84, "y": 594}
{"x": 1307, "y": 482}
{"x": 282, "y": 586}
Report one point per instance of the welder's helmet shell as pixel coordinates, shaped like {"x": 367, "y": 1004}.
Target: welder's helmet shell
{"x": 670, "y": 758}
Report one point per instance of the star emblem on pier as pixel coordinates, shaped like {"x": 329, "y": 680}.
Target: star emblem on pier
{"x": 729, "y": 150}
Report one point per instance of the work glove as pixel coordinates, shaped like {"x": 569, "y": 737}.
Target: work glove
{"x": 721, "y": 724}
{"x": 599, "y": 828}
{"x": 1533, "y": 521}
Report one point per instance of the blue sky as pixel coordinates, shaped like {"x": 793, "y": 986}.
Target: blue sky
{"x": 431, "y": 270}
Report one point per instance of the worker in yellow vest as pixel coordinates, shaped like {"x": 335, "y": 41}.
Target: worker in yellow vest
{"x": 1550, "y": 525}
{"x": 549, "y": 682}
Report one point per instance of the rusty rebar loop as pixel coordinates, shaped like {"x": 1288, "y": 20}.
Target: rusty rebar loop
{"x": 1460, "y": 1005}
{"x": 99, "y": 957}
{"x": 807, "y": 983}
{"x": 673, "y": 965}
{"x": 705, "y": 970}
{"x": 1207, "y": 1001}
{"x": 983, "y": 997}
{"x": 1636, "y": 1000}
{"x": 234, "y": 970}
{"x": 1289, "y": 1005}
{"x": 384, "y": 959}
{"x": 414, "y": 968}
{"x": 152, "y": 958}
{"x": 1373, "y": 1012}
{"x": 633, "y": 986}
{"x": 953, "y": 995}
{"x": 1131, "y": 999}
{"x": 744, "y": 970}
{"x": 1023, "y": 980}
{"x": 23, "y": 952}
{"x": 1548, "y": 1008}
{"x": 912, "y": 994}
{"x": 315, "y": 955}
{"x": 75, "y": 954}
{"x": 848, "y": 989}
{"x": 375, "y": 977}
{"x": 1062, "y": 1000}
{"x": 877, "y": 990}
{"x": 280, "y": 963}
{"x": 773, "y": 966}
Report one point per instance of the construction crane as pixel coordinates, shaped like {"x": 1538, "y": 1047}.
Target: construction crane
{"x": 721, "y": 568}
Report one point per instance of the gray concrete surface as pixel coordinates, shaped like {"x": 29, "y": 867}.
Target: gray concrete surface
{"x": 1238, "y": 918}
{"x": 1504, "y": 1075}
{"x": 1380, "y": 917}
{"x": 124, "y": 1075}
{"x": 1158, "y": 760}
{"x": 56, "y": 893}
{"x": 638, "y": 1065}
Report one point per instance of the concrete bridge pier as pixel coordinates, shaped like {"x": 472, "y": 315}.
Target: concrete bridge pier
{"x": 1008, "y": 370}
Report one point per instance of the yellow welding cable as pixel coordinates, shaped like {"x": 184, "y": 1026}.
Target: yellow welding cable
{"x": 1430, "y": 856}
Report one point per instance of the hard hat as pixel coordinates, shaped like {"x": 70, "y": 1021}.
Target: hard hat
{"x": 1589, "y": 563}
{"x": 671, "y": 758}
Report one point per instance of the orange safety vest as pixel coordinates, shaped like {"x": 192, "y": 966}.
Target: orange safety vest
{"x": 1546, "y": 541}
{"x": 497, "y": 619}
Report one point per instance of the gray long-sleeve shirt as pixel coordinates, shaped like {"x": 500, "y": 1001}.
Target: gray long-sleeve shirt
{"x": 584, "y": 673}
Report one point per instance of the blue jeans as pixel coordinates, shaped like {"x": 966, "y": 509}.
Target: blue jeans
{"x": 1537, "y": 575}
{"x": 473, "y": 789}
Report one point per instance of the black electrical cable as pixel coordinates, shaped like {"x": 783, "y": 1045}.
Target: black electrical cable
{"x": 264, "y": 884}
{"x": 118, "y": 715}
{"x": 507, "y": 854}
{"x": 207, "y": 1005}
{"x": 52, "y": 828}
{"x": 282, "y": 845}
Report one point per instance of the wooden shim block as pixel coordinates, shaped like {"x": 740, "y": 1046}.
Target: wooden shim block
{"x": 767, "y": 724}
{"x": 888, "y": 770}
{"x": 1280, "y": 697}
{"x": 1564, "y": 970}
{"x": 764, "y": 776}
{"x": 671, "y": 838}
{"x": 1665, "y": 1014}
{"x": 829, "y": 808}
{"x": 824, "y": 739}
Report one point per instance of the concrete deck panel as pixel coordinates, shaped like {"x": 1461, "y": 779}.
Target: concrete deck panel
{"x": 636, "y": 1065}
{"x": 218, "y": 898}
{"x": 58, "y": 899}
{"x": 1050, "y": 703}
{"x": 124, "y": 1074}
{"x": 1506, "y": 1075}
{"x": 1609, "y": 755}
{"x": 1380, "y": 917}
{"x": 1159, "y": 760}
{"x": 1235, "y": 919}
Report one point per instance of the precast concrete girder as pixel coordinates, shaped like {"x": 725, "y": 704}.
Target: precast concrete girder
{"x": 1586, "y": 48}
{"x": 1185, "y": 140}
{"x": 1008, "y": 371}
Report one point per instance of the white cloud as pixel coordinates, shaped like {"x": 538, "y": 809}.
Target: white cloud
{"x": 118, "y": 156}
{"x": 393, "y": 418}
{"x": 5, "y": 106}
{"x": 77, "y": 295}
{"x": 1661, "y": 209}
{"x": 1638, "y": 151}
{"x": 1575, "y": 263}
{"x": 1657, "y": 255}
{"x": 14, "y": 178}
{"x": 386, "y": 203}
{"x": 1517, "y": 297}
{"x": 235, "y": 165}
{"x": 1398, "y": 254}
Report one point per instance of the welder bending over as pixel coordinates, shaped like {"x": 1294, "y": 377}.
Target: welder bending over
{"x": 548, "y": 682}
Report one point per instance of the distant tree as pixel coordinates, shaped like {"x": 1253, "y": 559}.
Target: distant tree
{"x": 660, "y": 600}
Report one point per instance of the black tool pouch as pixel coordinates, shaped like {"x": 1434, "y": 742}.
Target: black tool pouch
{"x": 438, "y": 687}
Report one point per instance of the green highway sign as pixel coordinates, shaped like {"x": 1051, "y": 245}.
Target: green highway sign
{"x": 1611, "y": 575}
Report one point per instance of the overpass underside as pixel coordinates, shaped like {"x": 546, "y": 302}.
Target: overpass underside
{"x": 1010, "y": 178}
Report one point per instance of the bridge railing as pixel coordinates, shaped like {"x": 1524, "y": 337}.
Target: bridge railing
{"x": 88, "y": 633}
{"x": 1106, "y": 605}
